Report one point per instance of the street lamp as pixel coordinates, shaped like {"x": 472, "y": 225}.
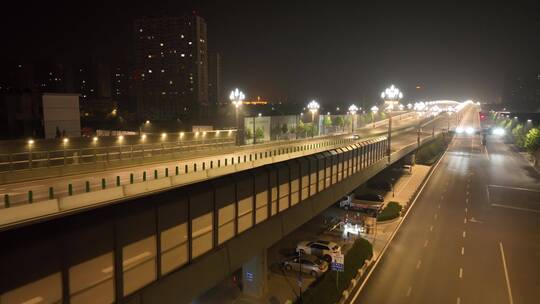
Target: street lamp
{"x": 353, "y": 109}
{"x": 313, "y": 107}
{"x": 391, "y": 97}
{"x": 30, "y": 146}
{"x": 237, "y": 97}
{"x": 374, "y": 111}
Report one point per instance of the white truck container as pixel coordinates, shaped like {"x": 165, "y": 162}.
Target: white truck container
{"x": 371, "y": 207}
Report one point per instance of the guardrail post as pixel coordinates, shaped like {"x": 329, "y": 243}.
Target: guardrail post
{"x": 87, "y": 186}
{"x": 232, "y": 160}
{"x": 211, "y": 164}
{"x": 30, "y": 196}
{"x": 225, "y": 162}
{"x": 166, "y": 172}
{"x": 155, "y": 174}
{"x": 103, "y": 183}
{"x": 70, "y": 189}
{"x": 195, "y": 167}
{"x": 117, "y": 181}
{"x": 186, "y": 168}
{"x": 51, "y": 193}
{"x": 131, "y": 178}
{"x": 144, "y": 176}
{"x": 177, "y": 170}
{"x": 219, "y": 163}
{"x": 245, "y": 158}
{"x": 6, "y": 200}
{"x": 204, "y": 165}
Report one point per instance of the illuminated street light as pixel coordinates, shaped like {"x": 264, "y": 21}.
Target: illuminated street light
{"x": 95, "y": 139}
{"x": 163, "y": 135}
{"x": 374, "y": 111}
{"x": 143, "y": 137}
{"x": 391, "y": 97}
{"x": 30, "y": 142}
{"x": 65, "y": 140}
{"x": 353, "y": 109}
{"x": 313, "y": 107}
{"x": 237, "y": 97}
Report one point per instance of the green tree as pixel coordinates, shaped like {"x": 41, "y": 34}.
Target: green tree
{"x": 300, "y": 128}
{"x": 259, "y": 133}
{"x": 249, "y": 134}
{"x": 519, "y": 135}
{"x": 284, "y": 129}
{"x": 339, "y": 122}
{"x": 532, "y": 140}
{"x": 275, "y": 132}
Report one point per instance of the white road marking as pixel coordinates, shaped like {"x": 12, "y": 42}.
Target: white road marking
{"x": 514, "y": 188}
{"x": 468, "y": 193}
{"x": 439, "y": 206}
{"x": 468, "y": 186}
{"x": 466, "y": 210}
{"x": 426, "y": 243}
{"x": 442, "y": 197}
{"x": 435, "y": 216}
{"x": 464, "y": 234}
{"x": 460, "y": 272}
{"x": 431, "y": 228}
{"x": 510, "y": 299}
{"x": 515, "y": 208}
{"x": 466, "y": 201}
{"x": 409, "y": 291}
{"x": 418, "y": 264}
{"x": 458, "y": 301}
{"x": 462, "y": 250}
{"x": 465, "y": 221}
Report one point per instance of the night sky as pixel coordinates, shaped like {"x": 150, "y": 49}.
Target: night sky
{"x": 333, "y": 51}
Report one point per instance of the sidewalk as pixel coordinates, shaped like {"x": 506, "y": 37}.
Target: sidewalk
{"x": 404, "y": 188}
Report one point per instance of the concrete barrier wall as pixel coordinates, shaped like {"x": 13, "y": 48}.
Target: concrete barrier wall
{"x": 214, "y": 172}
{"x": 28, "y": 211}
{"x": 191, "y": 177}
{"x": 151, "y": 185}
{"x": 90, "y": 198}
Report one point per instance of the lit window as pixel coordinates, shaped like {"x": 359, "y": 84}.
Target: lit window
{"x": 149, "y": 56}
{"x": 170, "y": 82}
{"x": 150, "y": 71}
{"x": 161, "y": 44}
{"x": 182, "y": 36}
{"x": 162, "y": 71}
{"x": 182, "y": 55}
{"x": 140, "y": 30}
{"x": 190, "y": 43}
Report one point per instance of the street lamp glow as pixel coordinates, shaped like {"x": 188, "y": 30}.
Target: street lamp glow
{"x": 237, "y": 97}
{"x": 409, "y": 106}
{"x": 392, "y": 93}
{"x": 313, "y": 107}
{"x": 353, "y": 109}
{"x": 143, "y": 137}
{"x": 529, "y": 120}
{"x": 95, "y": 139}
{"x": 163, "y": 135}
{"x": 65, "y": 140}
{"x": 30, "y": 142}
{"x": 147, "y": 122}
{"x": 374, "y": 109}
{"x": 121, "y": 137}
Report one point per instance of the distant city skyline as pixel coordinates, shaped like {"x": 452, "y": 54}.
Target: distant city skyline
{"x": 288, "y": 52}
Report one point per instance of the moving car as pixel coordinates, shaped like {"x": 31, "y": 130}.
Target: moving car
{"x": 322, "y": 249}
{"x": 407, "y": 169}
{"x": 370, "y": 197}
{"x": 307, "y": 264}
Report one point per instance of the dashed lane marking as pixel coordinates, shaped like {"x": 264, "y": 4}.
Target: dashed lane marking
{"x": 460, "y": 272}
{"x": 409, "y": 291}
{"x": 458, "y": 300}
{"x": 418, "y": 264}
{"x": 426, "y": 242}
{"x": 465, "y": 221}
{"x": 431, "y": 228}
{"x": 464, "y": 234}
{"x": 462, "y": 250}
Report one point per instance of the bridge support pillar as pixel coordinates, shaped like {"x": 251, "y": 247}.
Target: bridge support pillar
{"x": 254, "y": 276}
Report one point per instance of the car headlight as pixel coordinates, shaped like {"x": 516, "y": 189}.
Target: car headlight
{"x": 459, "y": 130}
{"x": 469, "y": 130}
{"x": 498, "y": 131}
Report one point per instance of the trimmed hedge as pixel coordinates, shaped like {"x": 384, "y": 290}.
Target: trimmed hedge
{"x": 325, "y": 289}
{"x": 428, "y": 154}
{"x": 391, "y": 211}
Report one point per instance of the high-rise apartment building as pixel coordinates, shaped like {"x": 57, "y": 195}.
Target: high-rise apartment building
{"x": 171, "y": 68}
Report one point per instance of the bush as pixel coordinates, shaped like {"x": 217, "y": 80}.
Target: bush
{"x": 428, "y": 154}
{"x": 390, "y": 212}
{"x": 326, "y": 290}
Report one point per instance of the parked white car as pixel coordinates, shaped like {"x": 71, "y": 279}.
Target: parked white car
{"x": 323, "y": 249}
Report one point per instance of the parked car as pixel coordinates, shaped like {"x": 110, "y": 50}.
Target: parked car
{"x": 407, "y": 169}
{"x": 323, "y": 249}
{"x": 380, "y": 185}
{"x": 307, "y": 263}
{"x": 370, "y": 197}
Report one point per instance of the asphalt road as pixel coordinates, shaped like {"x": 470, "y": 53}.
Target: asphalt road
{"x": 18, "y": 192}
{"x": 472, "y": 235}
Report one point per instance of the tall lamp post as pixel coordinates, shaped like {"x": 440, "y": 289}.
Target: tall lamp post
{"x": 353, "y": 109}
{"x": 237, "y": 97}
{"x": 374, "y": 111}
{"x": 313, "y": 107}
{"x": 391, "y": 97}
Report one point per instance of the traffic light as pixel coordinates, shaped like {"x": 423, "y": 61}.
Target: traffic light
{"x": 482, "y": 116}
